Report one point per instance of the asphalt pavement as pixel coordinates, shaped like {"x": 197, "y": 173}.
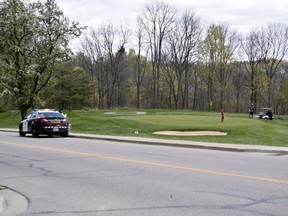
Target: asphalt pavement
{"x": 13, "y": 203}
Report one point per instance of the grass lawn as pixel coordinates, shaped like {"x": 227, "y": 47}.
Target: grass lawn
{"x": 239, "y": 127}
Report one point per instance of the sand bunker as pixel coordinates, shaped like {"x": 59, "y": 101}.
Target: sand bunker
{"x": 191, "y": 133}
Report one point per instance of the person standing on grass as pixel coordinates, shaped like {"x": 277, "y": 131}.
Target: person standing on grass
{"x": 222, "y": 113}
{"x": 251, "y": 110}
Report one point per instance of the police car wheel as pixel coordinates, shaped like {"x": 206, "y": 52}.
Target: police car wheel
{"x": 21, "y": 133}
{"x": 49, "y": 134}
{"x": 34, "y": 133}
{"x": 65, "y": 134}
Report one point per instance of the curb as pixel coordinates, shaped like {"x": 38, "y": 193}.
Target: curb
{"x": 180, "y": 143}
{"x": 187, "y": 144}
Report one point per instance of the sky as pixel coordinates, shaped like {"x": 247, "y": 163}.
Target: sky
{"x": 240, "y": 15}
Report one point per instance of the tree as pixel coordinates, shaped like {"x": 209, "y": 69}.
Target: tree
{"x": 92, "y": 59}
{"x": 283, "y": 93}
{"x": 32, "y": 37}
{"x": 157, "y": 19}
{"x": 219, "y": 47}
{"x": 238, "y": 83}
{"x": 265, "y": 50}
{"x": 273, "y": 44}
{"x": 183, "y": 45}
{"x": 70, "y": 88}
{"x": 138, "y": 61}
{"x": 105, "y": 64}
{"x": 253, "y": 57}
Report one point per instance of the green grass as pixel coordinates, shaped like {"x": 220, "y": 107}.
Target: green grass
{"x": 239, "y": 127}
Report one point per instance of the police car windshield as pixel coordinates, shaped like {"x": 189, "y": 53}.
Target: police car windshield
{"x": 50, "y": 115}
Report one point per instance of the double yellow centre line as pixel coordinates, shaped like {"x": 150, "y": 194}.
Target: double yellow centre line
{"x": 147, "y": 163}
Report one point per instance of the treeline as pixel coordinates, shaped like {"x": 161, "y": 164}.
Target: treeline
{"x": 175, "y": 63}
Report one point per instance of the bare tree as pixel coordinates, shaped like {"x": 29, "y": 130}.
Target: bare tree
{"x": 170, "y": 81}
{"x": 253, "y": 57}
{"x": 117, "y": 62}
{"x": 238, "y": 83}
{"x": 264, "y": 49}
{"x": 106, "y": 64}
{"x": 93, "y": 60}
{"x": 139, "y": 62}
{"x": 183, "y": 48}
{"x": 157, "y": 18}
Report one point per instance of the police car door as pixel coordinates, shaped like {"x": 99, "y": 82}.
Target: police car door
{"x": 31, "y": 120}
{"x": 25, "y": 124}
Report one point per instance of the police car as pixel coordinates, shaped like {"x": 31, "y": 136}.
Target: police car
{"x": 44, "y": 121}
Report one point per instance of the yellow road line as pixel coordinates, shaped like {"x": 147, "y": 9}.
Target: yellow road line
{"x": 148, "y": 163}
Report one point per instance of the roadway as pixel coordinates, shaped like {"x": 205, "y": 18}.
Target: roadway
{"x": 75, "y": 176}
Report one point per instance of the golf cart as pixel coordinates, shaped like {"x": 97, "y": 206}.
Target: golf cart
{"x": 265, "y": 113}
